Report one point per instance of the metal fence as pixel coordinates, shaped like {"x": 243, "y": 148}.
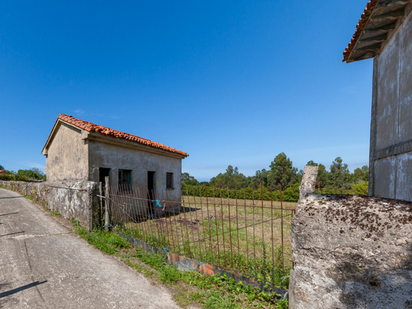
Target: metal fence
{"x": 247, "y": 237}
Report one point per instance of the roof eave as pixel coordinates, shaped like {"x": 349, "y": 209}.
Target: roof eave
{"x": 53, "y": 133}
{"x": 111, "y": 140}
{"x": 376, "y": 26}
{"x": 92, "y": 134}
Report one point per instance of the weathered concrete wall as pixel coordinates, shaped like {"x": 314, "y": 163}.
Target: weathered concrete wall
{"x": 70, "y": 199}
{"x": 139, "y": 162}
{"x": 67, "y": 156}
{"x": 391, "y": 125}
{"x": 351, "y": 252}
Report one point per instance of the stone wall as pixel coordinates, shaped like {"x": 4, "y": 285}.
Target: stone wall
{"x": 70, "y": 199}
{"x": 351, "y": 252}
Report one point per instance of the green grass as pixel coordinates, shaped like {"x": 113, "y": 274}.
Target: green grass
{"x": 54, "y": 213}
{"x": 213, "y": 220}
{"x": 107, "y": 242}
{"x": 169, "y": 274}
{"x": 258, "y": 263}
{"x": 207, "y": 291}
{"x": 29, "y": 197}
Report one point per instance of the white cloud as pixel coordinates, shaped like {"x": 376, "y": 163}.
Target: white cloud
{"x": 33, "y": 164}
{"x": 79, "y": 111}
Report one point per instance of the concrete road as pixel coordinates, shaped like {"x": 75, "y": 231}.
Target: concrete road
{"x": 43, "y": 265}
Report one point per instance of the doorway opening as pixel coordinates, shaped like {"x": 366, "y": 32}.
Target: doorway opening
{"x": 151, "y": 187}
{"x": 103, "y": 172}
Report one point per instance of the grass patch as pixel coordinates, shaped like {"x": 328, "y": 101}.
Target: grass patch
{"x": 241, "y": 235}
{"x": 56, "y": 214}
{"x": 169, "y": 274}
{"x": 207, "y": 291}
{"x": 107, "y": 242}
{"x": 29, "y": 196}
{"x": 253, "y": 256}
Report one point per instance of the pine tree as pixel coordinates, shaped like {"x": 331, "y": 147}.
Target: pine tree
{"x": 282, "y": 173}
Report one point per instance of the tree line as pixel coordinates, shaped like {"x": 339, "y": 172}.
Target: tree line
{"x": 23, "y": 175}
{"x": 283, "y": 175}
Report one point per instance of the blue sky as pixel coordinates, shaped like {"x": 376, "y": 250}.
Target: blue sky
{"x": 229, "y": 82}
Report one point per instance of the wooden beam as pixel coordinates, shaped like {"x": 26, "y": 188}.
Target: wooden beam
{"x": 367, "y": 55}
{"x": 386, "y": 27}
{"x": 389, "y": 15}
{"x": 388, "y": 3}
{"x": 372, "y": 48}
{"x": 377, "y": 38}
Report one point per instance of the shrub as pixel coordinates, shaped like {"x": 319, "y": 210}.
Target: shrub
{"x": 361, "y": 189}
{"x": 9, "y": 177}
{"x": 290, "y": 194}
{"x": 169, "y": 274}
{"x": 33, "y": 173}
{"x": 6, "y": 177}
{"x": 103, "y": 240}
{"x": 20, "y": 178}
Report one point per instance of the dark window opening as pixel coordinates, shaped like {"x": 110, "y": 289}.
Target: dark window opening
{"x": 125, "y": 180}
{"x": 169, "y": 180}
{"x": 151, "y": 182}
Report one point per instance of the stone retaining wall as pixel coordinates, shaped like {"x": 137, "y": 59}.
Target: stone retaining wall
{"x": 351, "y": 252}
{"x": 70, "y": 199}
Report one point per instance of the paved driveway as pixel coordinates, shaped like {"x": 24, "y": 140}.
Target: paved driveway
{"x": 43, "y": 265}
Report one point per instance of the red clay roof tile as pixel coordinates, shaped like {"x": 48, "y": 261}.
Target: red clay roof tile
{"x": 370, "y": 6}
{"x": 91, "y": 127}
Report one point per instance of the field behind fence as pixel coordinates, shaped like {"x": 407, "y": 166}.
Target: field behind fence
{"x": 247, "y": 237}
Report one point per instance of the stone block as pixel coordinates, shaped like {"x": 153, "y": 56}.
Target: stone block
{"x": 351, "y": 252}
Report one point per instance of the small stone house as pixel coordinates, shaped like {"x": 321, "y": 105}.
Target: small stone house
{"x": 384, "y": 33}
{"x": 78, "y": 150}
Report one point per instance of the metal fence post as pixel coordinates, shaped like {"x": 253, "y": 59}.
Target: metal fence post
{"x": 101, "y": 203}
{"x": 106, "y": 204}
{"x": 281, "y": 227}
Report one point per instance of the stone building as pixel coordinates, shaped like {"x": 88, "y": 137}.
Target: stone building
{"x": 384, "y": 33}
{"x": 78, "y": 150}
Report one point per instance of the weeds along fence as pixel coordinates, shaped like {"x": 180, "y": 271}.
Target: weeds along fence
{"x": 248, "y": 237}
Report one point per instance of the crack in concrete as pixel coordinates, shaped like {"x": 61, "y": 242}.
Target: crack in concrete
{"x": 23, "y": 237}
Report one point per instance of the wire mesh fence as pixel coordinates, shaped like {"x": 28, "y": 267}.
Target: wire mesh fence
{"x": 247, "y": 237}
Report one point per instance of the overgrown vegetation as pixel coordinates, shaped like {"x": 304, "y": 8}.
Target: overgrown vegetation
{"x": 208, "y": 291}
{"x": 251, "y": 240}
{"x": 102, "y": 240}
{"x": 34, "y": 174}
{"x": 259, "y": 264}
{"x": 281, "y": 173}
{"x": 291, "y": 194}
{"x": 53, "y": 213}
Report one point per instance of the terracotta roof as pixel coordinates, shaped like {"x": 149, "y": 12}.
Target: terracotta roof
{"x": 91, "y": 127}
{"x": 359, "y": 27}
